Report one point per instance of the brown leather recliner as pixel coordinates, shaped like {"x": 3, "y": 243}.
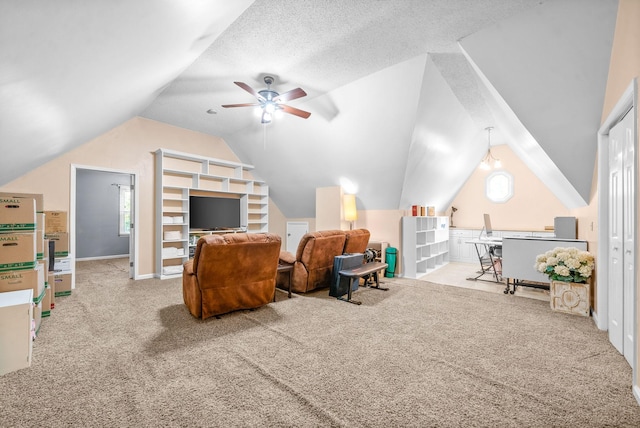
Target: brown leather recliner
{"x": 231, "y": 272}
{"x": 356, "y": 241}
{"x": 313, "y": 261}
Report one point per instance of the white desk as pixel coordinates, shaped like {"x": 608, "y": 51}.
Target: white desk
{"x": 490, "y": 264}
{"x": 519, "y": 258}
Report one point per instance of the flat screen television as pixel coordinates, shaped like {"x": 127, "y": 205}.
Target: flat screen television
{"x": 213, "y": 213}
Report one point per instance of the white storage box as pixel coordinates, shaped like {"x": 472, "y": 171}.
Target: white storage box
{"x": 62, "y": 264}
{"x": 169, "y": 252}
{"x": 178, "y": 219}
{"x": 172, "y": 235}
{"x": 172, "y": 270}
{"x": 167, "y": 219}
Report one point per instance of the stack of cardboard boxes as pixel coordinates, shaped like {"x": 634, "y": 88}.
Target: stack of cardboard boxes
{"x": 34, "y": 261}
{"x": 20, "y": 244}
{"x": 61, "y": 275}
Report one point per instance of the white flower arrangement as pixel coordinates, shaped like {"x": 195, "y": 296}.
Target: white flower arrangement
{"x": 566, "y": 264}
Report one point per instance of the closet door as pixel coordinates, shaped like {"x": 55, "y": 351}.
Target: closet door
{"x": 615, "y": 279}
{"x": 629, "y": 220}
{"x": 621, "y": 236}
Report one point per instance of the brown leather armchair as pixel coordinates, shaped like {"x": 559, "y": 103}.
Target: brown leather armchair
{"x": 313, "y": 261}
{"x": 356, "y": 241}
{"x": 230, "y": 272}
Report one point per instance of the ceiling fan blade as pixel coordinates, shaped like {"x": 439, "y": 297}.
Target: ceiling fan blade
{"x": 290, "y": 95}
{"x": 241, "y": 105}
{"x": 295, "y": 111}
{"x": 250, "y": 90}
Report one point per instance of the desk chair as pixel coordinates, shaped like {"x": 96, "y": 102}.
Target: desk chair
{"x": 496, "y": 251}
{"x": 490, "y": 257}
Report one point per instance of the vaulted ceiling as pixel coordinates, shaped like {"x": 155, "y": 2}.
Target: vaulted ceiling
{"x": 400, "y": 91}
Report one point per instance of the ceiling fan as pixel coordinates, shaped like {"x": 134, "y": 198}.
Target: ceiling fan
{"x": 270, "y": 101}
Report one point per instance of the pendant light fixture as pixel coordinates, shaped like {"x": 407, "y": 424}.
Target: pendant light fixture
{"x": 489, "y": 161}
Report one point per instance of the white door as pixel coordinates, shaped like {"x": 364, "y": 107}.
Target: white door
{"x": 629, "y": 216}
{"x": 615, "y": 279}
{"x": 621, "y": 281}
{"x": 295, "y": 232}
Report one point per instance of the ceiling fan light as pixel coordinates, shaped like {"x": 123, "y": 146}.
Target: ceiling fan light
{"x": 266, "y": 117}
{"x": 270, "y": 108}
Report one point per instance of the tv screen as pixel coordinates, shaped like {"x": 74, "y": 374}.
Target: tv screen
{"x": 213, "y": 213}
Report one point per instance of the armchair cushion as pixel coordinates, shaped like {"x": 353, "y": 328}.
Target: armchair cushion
{"x": 287, "y": 257}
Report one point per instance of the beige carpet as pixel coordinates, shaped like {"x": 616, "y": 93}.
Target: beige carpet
{"x": 122, "y": 353}
{"x": 463, "y": 275}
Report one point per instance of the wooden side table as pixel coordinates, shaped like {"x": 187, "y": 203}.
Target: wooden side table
{"x": 284, "y": 268}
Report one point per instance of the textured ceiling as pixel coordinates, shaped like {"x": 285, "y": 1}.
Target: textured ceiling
{"x": 397, "y": 105}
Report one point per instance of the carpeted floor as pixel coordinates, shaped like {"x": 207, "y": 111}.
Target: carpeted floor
{"x": 122, "y": 353}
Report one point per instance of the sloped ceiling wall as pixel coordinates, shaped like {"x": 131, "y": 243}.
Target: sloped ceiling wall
{"x": 373, "y": 69}
{"x": 70, "y": 71}
{"x": 552, "y": 76}
{"x": 440, "y": 156}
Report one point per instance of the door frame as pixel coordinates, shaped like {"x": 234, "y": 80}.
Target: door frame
{"x": 628, "y": 101}
{"x": 133, "y": 255}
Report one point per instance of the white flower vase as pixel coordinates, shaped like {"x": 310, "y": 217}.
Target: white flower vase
{"x": 570, "y": 297}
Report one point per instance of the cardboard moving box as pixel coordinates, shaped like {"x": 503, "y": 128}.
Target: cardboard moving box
{"x": 39, "y": 244}
{"x": 17, "y": 214}
{"x": 61, "y": 240}
{"x": 61, "y": 283}
{"x": 46, "y": 302}
{"x": 32, "y": 279}
{"x": 38, "y": 197}
{"x": 37, "y": 316}
{"x": 17, "y": 251}
{"x": 55, "y": 221}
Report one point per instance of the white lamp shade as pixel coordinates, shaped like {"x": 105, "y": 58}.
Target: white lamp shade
{"x": 349, "y": 207}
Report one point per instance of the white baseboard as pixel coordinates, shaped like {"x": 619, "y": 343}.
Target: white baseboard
{"x": 636, "y": 393}
{"x": 596, "y": 320}
{"x": 121, "y": 256}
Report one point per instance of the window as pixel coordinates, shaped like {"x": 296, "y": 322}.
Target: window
{"x": 499, "y": 186}
{"x": 125, "y": 210}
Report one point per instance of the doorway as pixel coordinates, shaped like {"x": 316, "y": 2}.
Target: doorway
{"x": 295, "y": 232}
{"x": 103, "y": 215}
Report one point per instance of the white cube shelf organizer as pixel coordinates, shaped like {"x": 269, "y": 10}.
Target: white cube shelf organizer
{"x": 425, "y": 244}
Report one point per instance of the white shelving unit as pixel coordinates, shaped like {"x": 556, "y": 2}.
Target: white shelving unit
{"x": 425, "y": 245}
{"x": 180, "y": 175}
